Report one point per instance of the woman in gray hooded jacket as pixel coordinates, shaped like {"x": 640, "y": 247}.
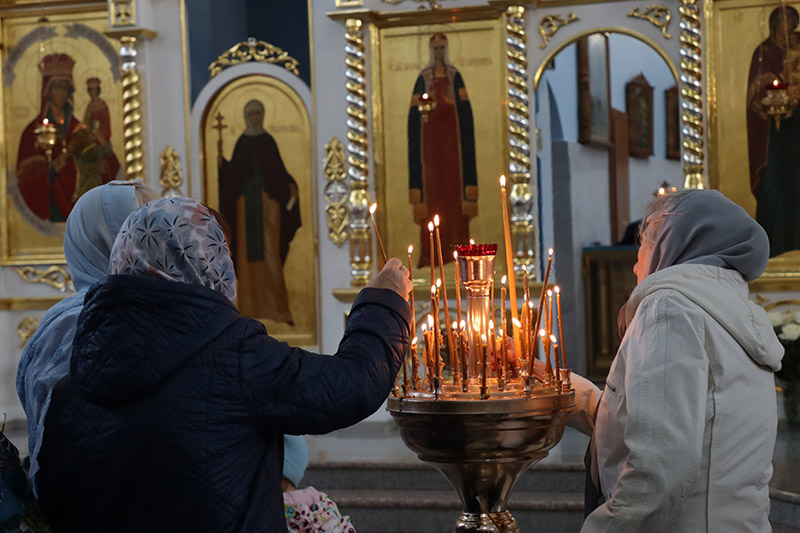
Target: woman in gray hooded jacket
{"x": 683, "y": 433}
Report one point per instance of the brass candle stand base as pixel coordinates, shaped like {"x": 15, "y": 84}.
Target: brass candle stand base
{"x": 483, "y": 446}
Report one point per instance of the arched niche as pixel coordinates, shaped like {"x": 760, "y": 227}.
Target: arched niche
{"x": 581, "y": 201}
{"x": 272, "y": 238}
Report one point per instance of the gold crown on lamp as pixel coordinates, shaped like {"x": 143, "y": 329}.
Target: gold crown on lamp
{"x": 57, "y": 66}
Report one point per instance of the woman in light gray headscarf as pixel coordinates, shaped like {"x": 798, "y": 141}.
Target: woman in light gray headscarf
{"x": 683, "y": 433}
{"x": 90, "y": 231}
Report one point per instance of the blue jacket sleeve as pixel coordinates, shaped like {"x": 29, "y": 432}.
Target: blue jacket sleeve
{"x": 290, "y": 390}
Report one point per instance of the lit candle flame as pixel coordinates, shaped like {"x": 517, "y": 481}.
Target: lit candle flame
{"x": 503, "y": 180}
{"x": 524, "y": 268}
{"x": 455, "y": 324}
{"x": 414, "y": 342}
{"x": 430, "y": 321}
{"x": 549, "y": 293}
{"x": 433, "y": 290}
{"x": 516, "y": 323}
{"x": 550, "y": 252}
{"x": 436, "y": 220}
{"x": 438, "y": 283}
{"x": 463, "y": 324}
{"x": 455, "y": 255}
{"x": 553, "y": 339}
{"x": 775, "y": 82}
{"x": 500, "y": 332}
{"x": 542, "y": 333}
{"x": 483, "y": 337}
{"x": 410, "y": 249}
{"x": 424, "y": 96}
{"x": 503, "y": 280}
{"x": 662, "y": 191}
{"x": 557, "y": 289}
{"x": 530, "y": 304}
{"x": 45, "y": 122}
{"x": 373, "y": 208}
{"x": 424, "y": 328}
{"x": 491, "y": 324}
{"x": 430, "y": 227}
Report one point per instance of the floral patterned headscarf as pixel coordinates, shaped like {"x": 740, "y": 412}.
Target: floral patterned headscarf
{"x": 176, "y": 239}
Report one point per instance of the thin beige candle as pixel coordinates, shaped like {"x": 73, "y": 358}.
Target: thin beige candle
{"x": 555, "y": 355}
{"x": 484, "y": 358}
{"x": 512, "y": 285}
{"x": 463, "y": 339}
{"x": 444, "y": 286}
{"x": 492, "y": 344}
{"x": 372, "y": 210}
{"x": 560, "y": 327}
{"x": 549, "y": 313}
{"x": 414, "y": 364}
{"x": 503, "y": 324}
{"x": 410, "y": 277}
{"x": 454, "y": 356}
{"x": 541, "y": 305}
{"x": 436, "y": 328}
{"x": 433, "y": 265}
{"x": 458, "y": 289}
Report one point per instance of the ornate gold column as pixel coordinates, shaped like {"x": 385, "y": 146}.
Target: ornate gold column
{"x": 133, "y": 140}
{"x": 357, "y": 152}
{"x": 691, "y": 95}
{"x": 523, "y": 234}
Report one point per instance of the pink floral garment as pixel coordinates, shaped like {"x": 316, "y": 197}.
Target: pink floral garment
{"x": 310, "y": 511}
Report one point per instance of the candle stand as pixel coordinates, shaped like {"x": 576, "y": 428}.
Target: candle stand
{"x": 487, "y": 424}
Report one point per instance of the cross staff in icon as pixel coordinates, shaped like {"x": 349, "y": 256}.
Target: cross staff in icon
{"x": 219, "y": 126}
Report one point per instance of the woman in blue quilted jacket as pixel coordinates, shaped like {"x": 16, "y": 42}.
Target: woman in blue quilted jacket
{"x": 173, "y": 413}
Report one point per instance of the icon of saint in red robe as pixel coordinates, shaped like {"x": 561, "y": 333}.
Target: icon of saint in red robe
{"x": 259, "y": 201}
{"x": 441, "y": 153}
{"x": 47, "y": 184}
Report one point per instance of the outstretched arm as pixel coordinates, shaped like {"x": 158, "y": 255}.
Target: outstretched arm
{"x": 294, "y": 391}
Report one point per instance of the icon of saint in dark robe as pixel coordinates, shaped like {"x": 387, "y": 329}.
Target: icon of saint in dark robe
{"x": 258, "y": 199}
{"x": 441, "y": 153}
{"x": 773, "y": 148}
{"x": 49, "y": 186}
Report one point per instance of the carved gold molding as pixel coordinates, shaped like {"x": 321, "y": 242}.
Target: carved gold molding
{"x": 432, "y": 4}
{"x": 349, "y": 3}
{"x": 336, "y": 192}
{"x": 253, "y": 50}
{"x": 123, "y": 13}
{"x": 171, "y": 176}
{"x": 550, "y": 24}
{"x": 523, "y": 232}
{"x": 54, "y": 276}
{"x": 357, "y": 150}
{"x": 691, "y": 95}
{"x": 657, "y": 15}
{"x": 25, "y": 329}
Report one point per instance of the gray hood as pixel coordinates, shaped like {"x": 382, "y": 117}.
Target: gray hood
{"x": 722, "y": 293}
